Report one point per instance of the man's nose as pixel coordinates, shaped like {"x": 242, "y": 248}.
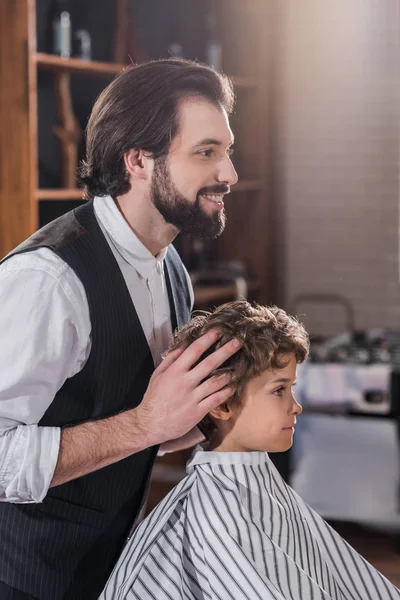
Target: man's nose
{"x": 226, "y": 172}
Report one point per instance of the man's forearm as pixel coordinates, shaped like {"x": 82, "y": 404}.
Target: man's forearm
{"x": 96, "y": 444}
{"x": 187, "y": 396}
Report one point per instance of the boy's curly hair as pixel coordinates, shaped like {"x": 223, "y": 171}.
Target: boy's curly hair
{"x": 267, "y": 335}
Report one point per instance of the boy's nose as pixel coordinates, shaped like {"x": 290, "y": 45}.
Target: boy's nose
{"x": 297, "y": 407}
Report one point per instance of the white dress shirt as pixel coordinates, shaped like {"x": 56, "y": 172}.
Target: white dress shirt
{"x": 45, "y": 334}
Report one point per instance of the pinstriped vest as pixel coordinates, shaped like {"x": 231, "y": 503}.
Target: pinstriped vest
{"x": 66, "y": 547}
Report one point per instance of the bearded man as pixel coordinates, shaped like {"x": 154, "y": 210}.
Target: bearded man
{"x": 88, "y": 305}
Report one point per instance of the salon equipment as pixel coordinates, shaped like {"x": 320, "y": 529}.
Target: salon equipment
{"x": 346, "y": 459}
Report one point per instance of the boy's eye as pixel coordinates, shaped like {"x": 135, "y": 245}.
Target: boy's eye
{"x": 279, "y": 391}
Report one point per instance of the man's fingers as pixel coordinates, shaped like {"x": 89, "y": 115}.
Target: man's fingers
{"x": 212, "y": 362}
{"x": 169, "y": 359}
{"x": 212, "y": 385}
{"x": 196, "y": 349}
{"x": 214, "y": 400}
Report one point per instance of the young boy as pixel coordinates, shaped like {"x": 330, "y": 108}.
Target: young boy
{"x": 232, "y": 529}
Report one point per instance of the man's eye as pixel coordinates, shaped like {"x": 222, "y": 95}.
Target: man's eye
{"x": 207, "y": 153}
{"x": 230, "y": 151}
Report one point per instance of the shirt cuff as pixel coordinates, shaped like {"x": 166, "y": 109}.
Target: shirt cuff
{"x": 30, "y": 454}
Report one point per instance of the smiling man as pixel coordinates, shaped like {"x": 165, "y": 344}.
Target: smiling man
{"x": 88, "y": 306}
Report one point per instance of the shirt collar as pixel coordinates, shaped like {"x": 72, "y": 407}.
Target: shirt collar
{"x": 124, "y": 239}
{"x": 201, "y": 456}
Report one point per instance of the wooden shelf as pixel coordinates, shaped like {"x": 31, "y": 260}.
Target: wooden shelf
{"x": 53, "y": 62}
{"x": 211, "y": 293}
{"x": 59, "y": 194}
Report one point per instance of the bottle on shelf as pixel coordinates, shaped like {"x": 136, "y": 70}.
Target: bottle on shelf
{"x": 61, "y": 28}
{"x": 213, "y": 50}
{"x": 175, "y": 47}
{"x": 83, "y": 45}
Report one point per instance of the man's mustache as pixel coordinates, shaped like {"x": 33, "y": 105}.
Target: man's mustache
{"x": 220, "y": 188}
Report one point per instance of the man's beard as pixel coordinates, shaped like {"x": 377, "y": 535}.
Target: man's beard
{"x": 177, "y": 210}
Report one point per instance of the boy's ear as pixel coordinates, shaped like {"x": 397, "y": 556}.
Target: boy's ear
{"x": 222, "y": 412}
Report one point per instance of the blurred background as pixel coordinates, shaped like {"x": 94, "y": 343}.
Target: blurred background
{"x": 313, "y": 224}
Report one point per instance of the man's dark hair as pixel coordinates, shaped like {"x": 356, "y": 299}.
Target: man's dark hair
{"x": 139, "y": 109}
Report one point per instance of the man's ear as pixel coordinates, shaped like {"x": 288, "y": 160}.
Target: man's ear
{"x": 222, "y": 412}
{"x": 137, "y": 164}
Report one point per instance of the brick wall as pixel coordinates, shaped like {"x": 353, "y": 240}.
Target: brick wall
{"x": 337, "y": 156}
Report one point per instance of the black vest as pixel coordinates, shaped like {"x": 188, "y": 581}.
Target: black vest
{"x": 66, "y": 547}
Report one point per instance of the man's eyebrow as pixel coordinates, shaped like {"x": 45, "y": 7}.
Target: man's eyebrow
{"x": 211, "y": 142}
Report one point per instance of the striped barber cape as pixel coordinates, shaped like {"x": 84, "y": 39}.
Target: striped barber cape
{"x": 233, "y": 529}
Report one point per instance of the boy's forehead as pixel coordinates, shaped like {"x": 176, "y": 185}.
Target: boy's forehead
{"x": 285, "y": 374}
{"x": 201, "y": 120}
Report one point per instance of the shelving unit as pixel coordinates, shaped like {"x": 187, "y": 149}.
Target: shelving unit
{"x": 59, "y": 194}
{"x": 51, "y": 62}
{"x": 205, "y": 294}
{"x": 244, "y": 238}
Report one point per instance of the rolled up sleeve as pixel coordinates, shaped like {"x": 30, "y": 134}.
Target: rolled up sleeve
{"x": 28, "y": 458}
{"x": 44, "y": 334}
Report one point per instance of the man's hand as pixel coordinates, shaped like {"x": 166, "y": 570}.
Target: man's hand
{"x": 177, "y": 397}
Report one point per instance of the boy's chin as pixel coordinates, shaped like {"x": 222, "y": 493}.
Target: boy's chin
{"x": 281, "y": 447}
{"x": 247, "y": 446}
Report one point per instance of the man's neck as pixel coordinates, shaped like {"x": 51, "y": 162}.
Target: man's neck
{"x": 146, "y": 222}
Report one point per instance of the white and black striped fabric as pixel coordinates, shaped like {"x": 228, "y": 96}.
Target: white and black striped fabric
{"x": 233, "y": 529}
